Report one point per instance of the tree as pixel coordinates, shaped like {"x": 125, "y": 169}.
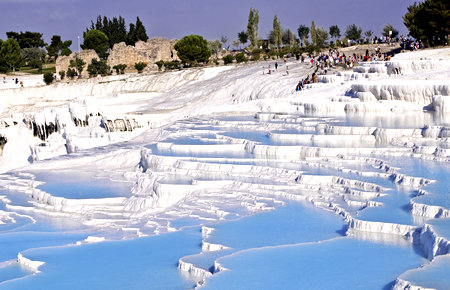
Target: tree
{"x": 353, "y": 32}
{"x": 66, "y": 51}
{"x": 192, "y": 49}
{"x": 236, "y": 43}
{"x": 223, "y": 39}
{"x": 252, "y": 27}
{"x": 288, "y": 38}
{"x": 11, "y": 53}
{"x": 313, "y": 33}
{"x": 77, "y": 63}
{"x": 114, "y": 29}
{"x": 335, "y": 32}
{"x": 57, "y": 46}
{"x": 243, "y": 37}
{"x": 214, "y": 46}
{"x": 98, "y": 67}
{"x": 27, "y": 39}
{"x": 321, "y": 37}
{"x": 303, "y": 33}
{"x": 131, "y": 36}
{"x": 33, "y": 56}
{"x": 96, "y": 40}
{"x": 368, "y": 33}
{"x": 389, "y": 31}
{"x": 277, "y": 33}
{"x": 141, "y": 33}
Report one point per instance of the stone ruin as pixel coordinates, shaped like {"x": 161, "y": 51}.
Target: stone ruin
{"x": 63, "y": 62}
{"x": 150, "y": 52}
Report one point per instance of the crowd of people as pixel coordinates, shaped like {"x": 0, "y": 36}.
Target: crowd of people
{"x": 333, "y": 58}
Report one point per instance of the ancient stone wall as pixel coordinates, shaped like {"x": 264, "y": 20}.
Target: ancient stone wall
{"x": 63, "y": 62}
{"x": 153, "y": 50}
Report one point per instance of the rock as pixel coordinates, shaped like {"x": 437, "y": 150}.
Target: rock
{"x": 153, "y": 50}
{"x": 63, "y": 62}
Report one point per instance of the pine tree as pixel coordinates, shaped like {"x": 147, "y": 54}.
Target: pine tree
{"x": 131, "y": 37}
{"x": 141, "y": 34}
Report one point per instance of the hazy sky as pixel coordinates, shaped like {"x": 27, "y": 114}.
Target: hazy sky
{"x": 209, "y": 18}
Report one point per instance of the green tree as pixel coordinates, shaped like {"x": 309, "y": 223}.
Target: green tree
{"x": 98, "y": 67}
{"x": 96, "y": 40}
{"x": 66, "y": 51}
{"x": 388, "y": 28}
{"x": 243, "y": 37}
{"x": 252, "y": 27}
{"x": 27, "y": 39}
{"x": 288, "y": 38}
{"x": 11, "y": 53}
{"x": 114, "y": 29}
{"x": 192, "y": 49}
{"x": 303, "y": 33}
{"x": 277, "y": 32}
{"x": 57, "y": 46}
{"x": 33, "y": 56}
{"x": 368, "y": 33}
{"x": 141, "y": 33}
{"x": 214, "y": 46}
{"x": 77, "y": 63}
{"x": 321, "y": 37}
{"x": 335, "y": 32}
{"x": 131, "y": 36}
{"x": 353, "y": 32}
{"x": 313, "y": 33}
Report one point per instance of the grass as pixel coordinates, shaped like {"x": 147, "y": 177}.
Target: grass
{"x": 51, "y": 67}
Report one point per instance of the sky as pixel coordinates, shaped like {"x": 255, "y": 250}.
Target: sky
{"x": 209, "y": 18}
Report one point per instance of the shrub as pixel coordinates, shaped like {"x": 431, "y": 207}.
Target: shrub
{"x": 48, "y": 78}
{"x": 255, "y": 57}
{"x": 160, "y": 64}
{"x": 139, "y": 66}
{"x": 98, "y": 67}
{"x": 228, "y": 59}
{"x": 120, "y": 68}
{"x": 170, "y": 65}
{"x": 62, "y": 74}
{"x": 240, "y": 57}
{"x": 71, "y": 72}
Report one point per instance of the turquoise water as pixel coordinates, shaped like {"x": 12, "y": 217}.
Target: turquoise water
{"x": 76, "y": 186}
{"x": 343, "y": 263}
{"x": 145, "y": 263}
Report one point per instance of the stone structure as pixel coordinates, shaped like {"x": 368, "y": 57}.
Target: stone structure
{"x": 63, "y": 62}
{"x": 153, "y": 50}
